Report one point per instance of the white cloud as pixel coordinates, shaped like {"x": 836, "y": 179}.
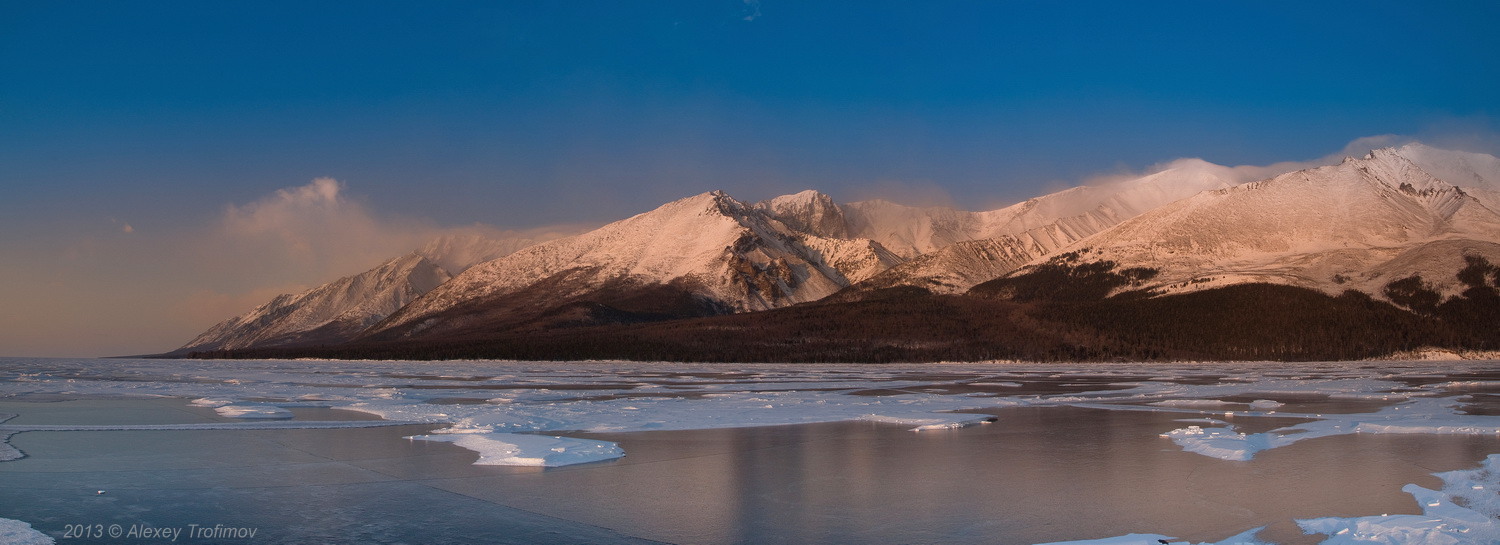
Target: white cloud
{"x": 308, "y": 235}
{"x": 112, "y": 292}
{"x": 305, "y": 234}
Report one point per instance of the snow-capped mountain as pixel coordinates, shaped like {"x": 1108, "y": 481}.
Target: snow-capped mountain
{"x": 1358, "y": 224}
{"x": 333, "y": 312}
{"x": 1005, "y": 239}
{"x": 809, "y": 212}
{"x": 701, "y": 255}
{"x": 1062, "y": 216}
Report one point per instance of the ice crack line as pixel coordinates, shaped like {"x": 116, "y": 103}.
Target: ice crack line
{"x": 9, "y": 452}
{"x": 304, "y": 425}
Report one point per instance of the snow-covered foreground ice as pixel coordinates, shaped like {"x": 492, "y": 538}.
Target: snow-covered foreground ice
{"x": 1465, "y": 511}
{"x": 512, "y": 413}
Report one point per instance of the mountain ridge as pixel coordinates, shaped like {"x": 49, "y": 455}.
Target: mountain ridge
{"x": 1357, "y": 226}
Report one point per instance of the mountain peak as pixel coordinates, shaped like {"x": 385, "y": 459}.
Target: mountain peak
{"x": 1460, "y": 168}
{"x": 808, "y": 211}
{"x": 716, "y": 201}
{"x": 1385, "y": 154}
{"x": 804, "y": 196}
{"x": 1388, "y": 166}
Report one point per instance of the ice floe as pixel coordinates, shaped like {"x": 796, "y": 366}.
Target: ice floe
{"x": 518, "y": 449}
{"x": 253, "y": 411}
{"x": 1243, "y": 538}
{"x": 929, "y": 424}
{"x": 1222, "y": 443}
{"x": 1422, "y": 415}
{"x": 1192, "y": 403}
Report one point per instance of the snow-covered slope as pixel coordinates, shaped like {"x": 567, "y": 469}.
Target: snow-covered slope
{"x": 1464, "y": 169}
{"x": 455, "y": 253}
{"x": 333, "y": 312}
{"x": 1062, "y": 217}
{"x": 1477, "y": 173}
{"x": 1330, "y": 228}
{"x": 809, "y": 212}
{"x": 339, "y": 310}
{"x": 721, "y": 252}
{"x": 1003, "y": 240}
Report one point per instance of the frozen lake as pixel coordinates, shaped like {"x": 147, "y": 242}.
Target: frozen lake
{"x": 504, "y": 452}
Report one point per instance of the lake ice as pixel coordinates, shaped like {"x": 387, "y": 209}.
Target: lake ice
{"x": 520, "y": 413}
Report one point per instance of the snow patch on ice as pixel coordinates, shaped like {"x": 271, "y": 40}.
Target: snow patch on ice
{"x": 253, "y": 411}
{"x": 1355, "y": 396}
{"x": 516, "y": 449}
{"x": 929, "y": 424}
{"x": 1192, "y": 403}
{"x": 1469, "y": 384}
{"x": 15, "y": 532}
{"x": 1222, "y": 443}
{"x": 1427, "y": 428}
{"x": 1420, "y": 415}
{"x": 1130, "y": 539}
{"x": 1464, "y": 512}
{"x": 1242, "y": 538}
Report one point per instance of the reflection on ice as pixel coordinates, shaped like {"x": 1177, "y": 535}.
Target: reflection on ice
{"x": 1232, "y": 412}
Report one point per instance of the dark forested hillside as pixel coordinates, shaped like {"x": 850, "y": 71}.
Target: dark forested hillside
{"x": 1060, "y": 311}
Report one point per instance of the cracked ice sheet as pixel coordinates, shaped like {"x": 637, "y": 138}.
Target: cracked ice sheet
{"x": 769, "y": 394}
{"x": 607, "y": 396}
{"x": 796, "y": 395}
{"x": 922, "y": 411}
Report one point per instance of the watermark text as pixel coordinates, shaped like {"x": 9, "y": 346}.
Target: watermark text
{"x": 164, "y": 533}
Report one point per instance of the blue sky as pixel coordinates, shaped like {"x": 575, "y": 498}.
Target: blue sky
{"x": 163, "y": 115}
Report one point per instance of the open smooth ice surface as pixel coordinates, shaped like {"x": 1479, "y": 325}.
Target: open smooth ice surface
{"x": 522, "y": 452}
